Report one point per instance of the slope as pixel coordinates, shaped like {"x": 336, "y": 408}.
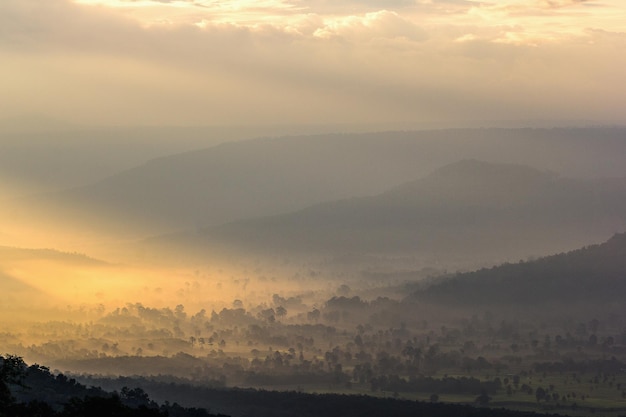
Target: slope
{"x": 469, "y": 209}
{"x": 594, "y": 274}
{"x": 29, "y": 278}
{"x": 276, "y": 175}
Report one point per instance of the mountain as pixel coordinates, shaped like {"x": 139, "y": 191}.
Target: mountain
{"x": 49, "y": 159}
{"x": 33, "y": 278}
{"x": 12, "y": 287}
{"x": 470, "y": 209}
{"x": 593, "y": 274}
{"x": 11, "y": 254}
{"x": 269, "y": 176}
{"x": 15, "y": 294}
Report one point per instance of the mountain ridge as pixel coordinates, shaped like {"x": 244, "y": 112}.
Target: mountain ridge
{"x": 273, "y": 175}
{"x": 425, "y": 215}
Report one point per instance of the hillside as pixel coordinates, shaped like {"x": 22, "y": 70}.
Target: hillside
{"x": 270, "y": 176}
{"x": 594, "y": 274}
{"x": 12, "y": 288}
{"x": 33, "y": 390}
{"x": 16, "y": 290}
{"x": 12, "y": 254}
{"x": 37, "y": 278}
{"x": 53, "y": 159}
{"x": 468, "y": 209}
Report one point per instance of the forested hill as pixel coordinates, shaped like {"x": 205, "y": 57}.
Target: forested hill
{"x": 594, "y": 274}
{"x": 12, "y": 254}
{"x": 33, "y": 391}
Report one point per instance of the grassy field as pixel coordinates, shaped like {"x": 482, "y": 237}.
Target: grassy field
{"x": 578, "y": 394}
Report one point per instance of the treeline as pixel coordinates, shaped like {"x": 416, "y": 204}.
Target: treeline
{"x": 593, "y": 273}
{"x": 33, "y": 391}
{"x": 446, "y": 385}
{"x": 606, "y": 366}
{"x": 261, "y": 403}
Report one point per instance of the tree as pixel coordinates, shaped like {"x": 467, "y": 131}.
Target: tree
{"x": 540, "y": 394}
{"x": 413, "y": 355}
{"x": 179, "y": 312}
{"x": 593, "y": 340}
{"x": 106, "y": 407}
{"x": 267, "y": 315}
{"x": 12, "y": 371}
{"x": 135, "y": 397}
{"x": 281, "y": 311}
{"x": 313, "y": 315}
{"x": 483, "y": 398}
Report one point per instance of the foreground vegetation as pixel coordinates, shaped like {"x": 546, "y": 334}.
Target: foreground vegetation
{"x": 33, "y": 391}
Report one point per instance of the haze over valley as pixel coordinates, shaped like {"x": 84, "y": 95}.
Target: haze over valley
{"x": 197, "y": 259}
{"x": 309, "y": 209}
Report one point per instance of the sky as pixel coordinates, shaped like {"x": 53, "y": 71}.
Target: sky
{"x": 210, "y": 62}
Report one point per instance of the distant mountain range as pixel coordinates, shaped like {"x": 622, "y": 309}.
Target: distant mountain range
{"x": 470, "y": 209}
{"x": 261, "y": 177}
{"x": 595, "y": 274}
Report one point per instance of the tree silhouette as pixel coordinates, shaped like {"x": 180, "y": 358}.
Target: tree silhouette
{"x": 12, "y": 371}
{"x": 483, "y": 398}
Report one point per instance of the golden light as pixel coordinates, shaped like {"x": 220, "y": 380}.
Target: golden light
{"x": 518, "y": 21}
{"x": 244, "y": 12}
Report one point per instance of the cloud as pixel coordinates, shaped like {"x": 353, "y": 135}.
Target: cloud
{"x": 558, "y": 4}
{"x": 343, "y": 7}
{"x": 101, "y": 65}
{"x": 381, "y": 24}
{"x": 529, "y": 8}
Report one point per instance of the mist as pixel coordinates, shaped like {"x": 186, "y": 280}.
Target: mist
{"x": 278, "y": 208}
{"x": 291, "y": 235}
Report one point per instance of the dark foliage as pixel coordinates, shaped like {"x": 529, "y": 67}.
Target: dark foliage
{"x": 593, "y": 273}
{"x": 32, "y": 391}
{"x": 246, "y": 402}
{"x": 106, "y": 407}
{"x": 570, "y": 365}
{"x": 447, "y": 385}
{"x": 261, "y": 403}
